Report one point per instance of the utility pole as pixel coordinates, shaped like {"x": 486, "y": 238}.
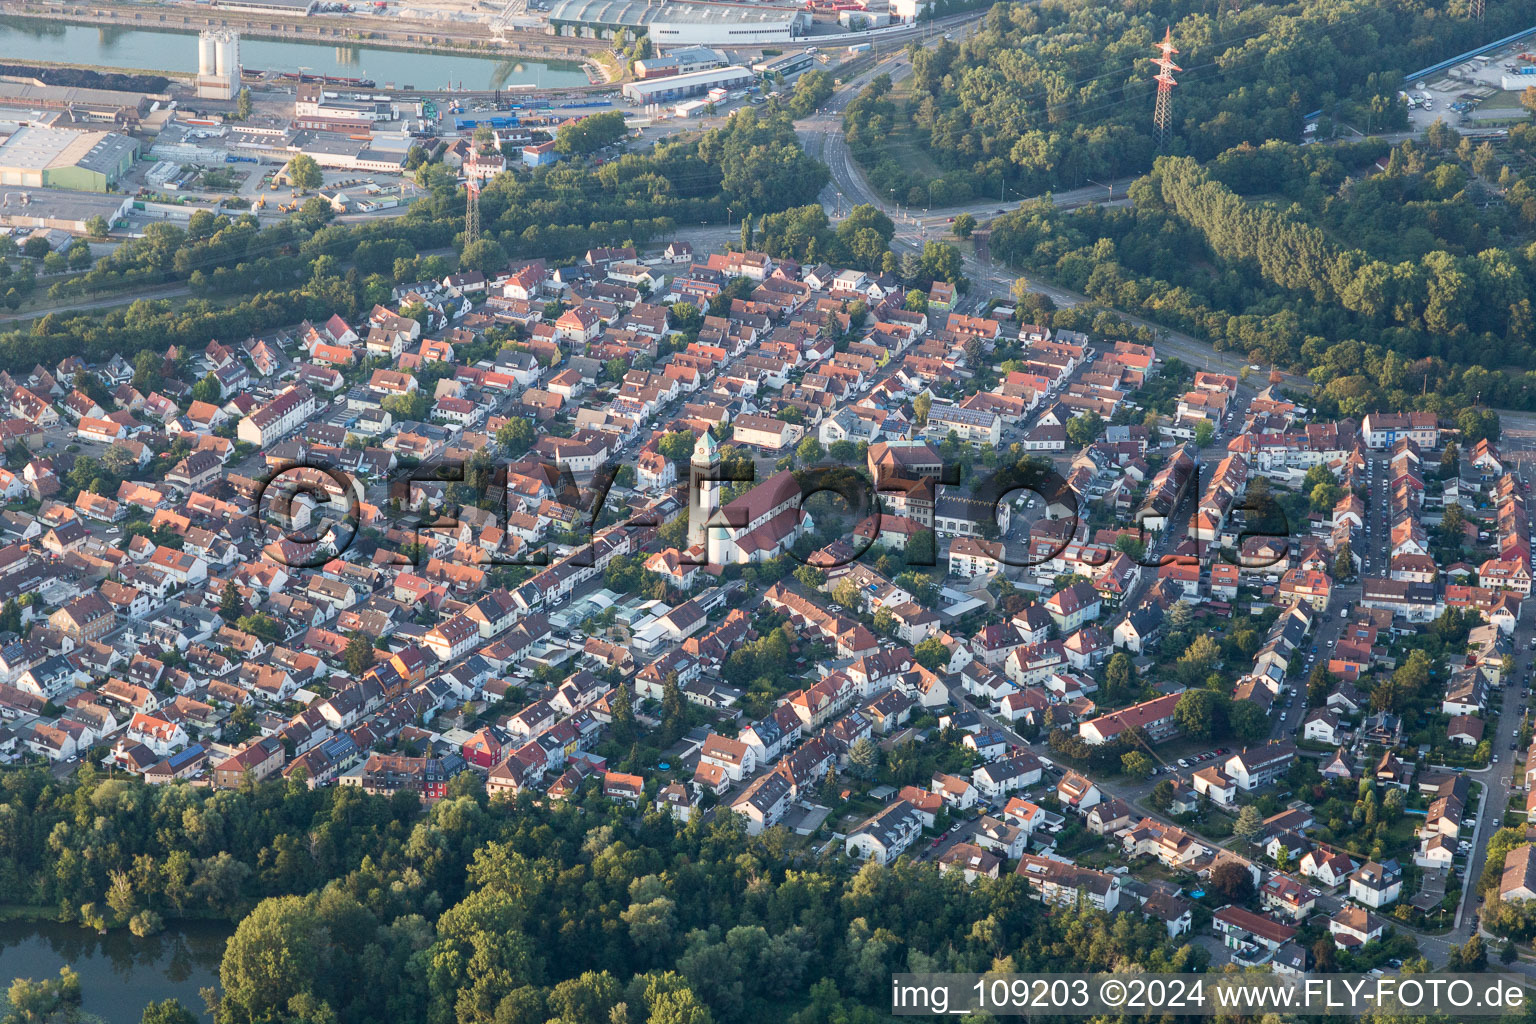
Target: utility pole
{"x": 1162, "y": 113}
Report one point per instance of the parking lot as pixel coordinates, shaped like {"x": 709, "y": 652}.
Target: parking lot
{"x": 1473, "y": 93}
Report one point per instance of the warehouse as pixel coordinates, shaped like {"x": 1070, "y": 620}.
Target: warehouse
{"x": 109, "y": 105}
{"x": 37, "y": 157}
{"x": 62, "y": 211}
{"x": 680, "y": 87}
{"x": 683, "y": 61}
{"x": 679, "y": 22}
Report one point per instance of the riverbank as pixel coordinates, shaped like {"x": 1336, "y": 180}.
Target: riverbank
{"x": 28, "y": 912}
{"x": 170, "y": 50}
{"x": 353, "y": 30}
{"x": 180, "y": 77}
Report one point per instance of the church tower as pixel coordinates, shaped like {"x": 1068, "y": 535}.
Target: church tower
{"x": 703, "y": 490}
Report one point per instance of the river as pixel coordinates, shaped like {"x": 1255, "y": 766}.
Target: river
{"x": 119, "y": 974}
{"x": 144, "y": 50}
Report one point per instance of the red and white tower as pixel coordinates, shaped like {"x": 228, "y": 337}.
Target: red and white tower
{"x": 1162, "y": 114}
{"x": 479, "y": 167}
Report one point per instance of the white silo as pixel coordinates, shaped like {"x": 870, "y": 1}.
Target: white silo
{"x": 228, "y": 56}
{"x": 207, "y": 59}
{"x": 218, "y": 60}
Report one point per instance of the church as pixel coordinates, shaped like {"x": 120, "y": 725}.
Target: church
{"x": 760, "y": 524}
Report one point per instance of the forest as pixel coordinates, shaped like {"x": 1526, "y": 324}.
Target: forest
{"x": 1056, "y": 94}
{"x": 354, "y": 908}
{"x": 1394, "y": 277}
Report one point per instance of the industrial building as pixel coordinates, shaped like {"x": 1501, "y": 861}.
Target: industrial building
{"x": 290, "y": 7}
{"x": 679, "y": 22}
{"x": 218, "y": 65}
{"x": 681, "y": 87}
{"x": 788, "y": 64}
{"x": 37, "y": 157}
{"x": 107, "y": 105}
{"x": 909, "y": 10}
{"x": 52, "y": 210}
{"x": 684, "y": 61}
{"x": 312, "y": 108}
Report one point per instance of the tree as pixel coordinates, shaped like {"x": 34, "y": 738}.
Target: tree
{"x": 243, "y": 104}
{"x": 1249, "y": 826}
{"x": 964, "y": 225}
{"x": 1198, "y": 659}
{"x": 622, "y": 708}
{"x": 932, "y": 654}
{"x": 685, "y": 317}
{"x": 590, "y": 134}
{"x": 40, "y": 1000}
{"x": 809, "y": 450}
{"x": 485, "y": 255}
{"x": 1162, "y": 795}
{"x": 275, "y": 954}
{"x": 1319, "y": 685}
{"x": 673, "y": 711}
{"x": 516, "y": 436}
{"x": 98, "y": 226}
{"x": 304, "y": 172}
{"x": 208, "y": 389}
{"x": 916, "y": 301}
{"x": 260, "y": 624}
{"x": 1231, "y": 883}
{"x": 1344, "y": 563}
{"x": 1205, "y": 433}
{"x": 1084, "y": 428}
{"x": 1194, "y": 712}
{"x": 864, "y": 758}
{"x": 847, "y": 594}
{"x": 1248, "y": 722}
{"x": 1325, "y": 496}
{"x": 359, "y": 654}
{"x": 1477, "y": 425}
{"x": 1323, "y": 959}
{"x": 1118, "y": 674}
{"x": 920, "y": 406}
{"x": 942, "y": 262}
{"x": 1474, "y": 955}
{"x": 169, "y": 1011}
{"x": 1136, "y": 764}
{"x": 679, "y": 1007}
{"x": 231, "y": 604}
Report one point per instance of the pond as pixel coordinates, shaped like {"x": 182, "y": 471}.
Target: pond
{"x": 119, "y": 974}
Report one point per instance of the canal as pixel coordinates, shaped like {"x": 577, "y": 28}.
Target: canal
{"x": 144, "y": 50}
{"x": 119, "y": 974}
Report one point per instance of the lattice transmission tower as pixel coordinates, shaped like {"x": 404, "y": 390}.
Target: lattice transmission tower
{"x": 1162, "y": 113}
{"x": 471, "y": 211}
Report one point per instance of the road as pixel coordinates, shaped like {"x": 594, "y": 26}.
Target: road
{"x": 821, "y": 135}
